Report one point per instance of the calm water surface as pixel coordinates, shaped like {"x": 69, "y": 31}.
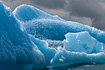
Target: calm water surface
{"x": 79, "y": 67}
{"x": 70, "y": 67}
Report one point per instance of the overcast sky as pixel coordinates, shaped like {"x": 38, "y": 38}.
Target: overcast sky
{"x": 89, "y": 12}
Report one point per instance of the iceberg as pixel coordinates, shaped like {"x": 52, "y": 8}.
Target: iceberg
{"x": 27, "y": 35}
{"x": 44, "y": 26}
{"x": 15, "y": 45}
{"x": 83, "y": 44}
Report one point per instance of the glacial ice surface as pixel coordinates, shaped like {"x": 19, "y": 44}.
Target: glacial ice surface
{"x": 27, "y": 12}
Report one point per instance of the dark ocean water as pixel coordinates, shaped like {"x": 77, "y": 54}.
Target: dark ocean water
{"x": 16, "y": 66}
{"x": 79, "y": 67}
{"x": 70, "y": 67}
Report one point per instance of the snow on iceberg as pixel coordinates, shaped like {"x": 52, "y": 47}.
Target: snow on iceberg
{"x": 15, "y": 45}
{"x": 44, "y": 26}
{"x": 79, "y": 48}
{"x": 82, "y": 42}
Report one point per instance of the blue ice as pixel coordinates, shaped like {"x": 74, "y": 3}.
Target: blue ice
{"x": 43, "y": 47}
{"x": 79, "y": 48}
{"x": 15, "y": 45}
{"x": 64, "y": 57}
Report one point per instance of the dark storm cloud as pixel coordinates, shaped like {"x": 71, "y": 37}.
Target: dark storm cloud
{"x": 89, "y": 12}
{"x": 89, "y": 8}
{"x": 51, "y": 4}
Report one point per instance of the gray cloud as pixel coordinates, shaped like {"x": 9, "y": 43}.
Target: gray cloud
{"x": 89, "y": 12}
{"x": 83, "y": 20}
{"x": 14, "y": 3}
{"x": 51, "y": 4}
{"x": 92, "y": 9}
{"x": 87, "y": 8}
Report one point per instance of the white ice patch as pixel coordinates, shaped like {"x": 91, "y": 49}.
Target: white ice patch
{"x": 82, "y": 42}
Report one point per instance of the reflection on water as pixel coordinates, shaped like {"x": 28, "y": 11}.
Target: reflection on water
{"x": 79, "y": 67}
